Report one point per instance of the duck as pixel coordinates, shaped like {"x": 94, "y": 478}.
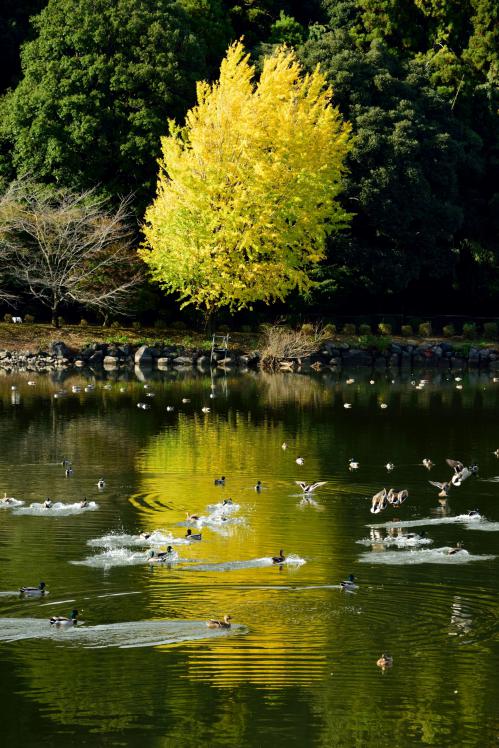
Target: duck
{"x": 220, "y": 481}
{"x": 473, "y": 513}
{"x": 186, "y": 400}
{"x": 280, "y": 559}
{"x": 84, "y": 503}
{"x": 396, "y": 498}
{"x": 379, "y": 501}
{"x": 33, "y": 591}
{"x": 457, "y": 465}
{"x": 496, "y": 453}
{"x": 101, "y": 483}
{"x": 65, "y": 462}
{"x": 285, "y": 446}
{"x": 150, "y": 394}
{"x": 385, "y": 661}
{"x": 444, "y": 487}
{"x": 427, "y": 463}
{"x": 258, "y": 486}
{"x": 227, "y": 502}
{"x": 8, "y": 499}
{"x": 457, "y": 548}
{"x": 156, "y": 558}
{"x": 349, "y": 584}
{"x": 213, "y": 623}
{"x": 47, "y": 504}
{"x": 308, "y": 488}
{"x": 145, "y": 535}
{"x": 191, "y": 517}
{"x": 71, "y": 620}
{"x": 192, "y": 536}
{"x": 353, "y": 464}
{"x": 31, "y": 383}
{"x": 69, "y": 472}
{"x": 300, "y": 460}
{"x": 170, "y": 408}
{"x": 390, "y": 466}
{"x": 383, "y": 406}
{"x": 350, "y": 380}
{"x": 205, "y": 409}
{"x": 347, "y": 405}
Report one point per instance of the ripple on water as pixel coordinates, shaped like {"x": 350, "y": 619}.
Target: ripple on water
{"x": 120, "y": 540}
{"x": 460, "y": 518}
{"x": 58, "y": 509}
{"x": 113, "y": 557}
{"x": 412, "y": 540}
{"x": 124, "y": 635}
{"x": 423, "y": 556}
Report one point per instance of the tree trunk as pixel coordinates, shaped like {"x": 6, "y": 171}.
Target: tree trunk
{"x": 55, "y": 316}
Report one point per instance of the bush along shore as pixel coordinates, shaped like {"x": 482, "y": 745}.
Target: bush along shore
{"x": 332, "y": 354}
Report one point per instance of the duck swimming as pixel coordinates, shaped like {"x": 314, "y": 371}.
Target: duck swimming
{"x": 65, "y": 621}
{"x": 47, "y": 504}
{"x": 458, "y": 547}
{"x": 68, "y": 472}
{"x": 385, "y": 661}
{"x": 280, "y": 559}
{"x": 427, "y": 463}
{"x": 33, "y": 591}
{"x": 161, "y": 557}
{"x": 227, "y": 502}
{"x": 349, "y": 584}
{"x": 191, "y": 517}
{"x": 299, "y": 460}
{"x": 258, "y": 486}
{"x": 8, "y": 499}
{"x": 190, "y": 536}
{"x": 220, "y": 481}
{"x": 390, "y": 466}
{"x": 213, "y": 623}
{"x": 353, "y": 464}
{"x": 101, "y": 483}
{"x": 84, "y": 503}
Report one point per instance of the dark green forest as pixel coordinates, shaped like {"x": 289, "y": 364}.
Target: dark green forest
{"x": 88, "y": 86}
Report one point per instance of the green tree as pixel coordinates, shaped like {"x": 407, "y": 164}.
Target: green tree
{"x": 100, "y": 81}
{"x": 247, "y": 190}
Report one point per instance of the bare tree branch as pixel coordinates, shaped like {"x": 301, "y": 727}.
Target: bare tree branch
{"x": 69, "y": 247}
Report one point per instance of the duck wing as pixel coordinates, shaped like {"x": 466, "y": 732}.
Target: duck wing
{"x": 315, "y": 485}
{"x": 302, "y": 484}
{"x": 435, "y": 483}
{"x": 456, "y": 464}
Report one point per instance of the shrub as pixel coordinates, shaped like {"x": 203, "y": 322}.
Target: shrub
{"x": 448, "y": 331}
{"x": 83, "y": 323}
{"x": 329, "y": 330}
{"x": 281, "y": 342}
{"x": 115, "y": 325}
{"x": 7, "y": 317}
{"x": 385, "y": 328}
{"x": 349, "y": 329}
{"x": 469, "y": 330}
{"x": 406, "y": 331}
{"x": 29, "y": 319}
{"x": 365, "y": 329}
{"x": 160, "y": 324}
{"x": 61, "y": 321}
{"x": 424, "y": 329}
{"x": 490, "y": 330}
{"x": 178, "y": 325}
{"x": 307, "y": 329}
{"x": 136, "y": 325}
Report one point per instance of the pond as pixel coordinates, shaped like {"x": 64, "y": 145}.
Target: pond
{"x": 298, "y": 666}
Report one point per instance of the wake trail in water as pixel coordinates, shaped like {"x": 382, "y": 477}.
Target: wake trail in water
{"x": 423, "y": 556}
{"x": 58, "y": 509}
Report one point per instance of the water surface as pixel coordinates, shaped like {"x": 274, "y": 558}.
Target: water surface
{"x": 298, "y": 666}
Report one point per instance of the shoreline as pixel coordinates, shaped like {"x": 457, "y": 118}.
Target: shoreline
{"x": 334, "y": 354}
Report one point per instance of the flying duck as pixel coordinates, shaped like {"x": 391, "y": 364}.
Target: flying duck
{"x": 310, "y": 487}
{"x": 379, "y": 501}
{"x": 191, "y": 517}
{"x": 444, "y": 487}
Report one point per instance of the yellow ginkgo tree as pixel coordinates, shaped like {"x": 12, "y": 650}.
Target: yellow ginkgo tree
{"x": 247, "y": 189}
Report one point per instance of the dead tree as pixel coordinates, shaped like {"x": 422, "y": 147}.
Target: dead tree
{"x": 70, "y": 248}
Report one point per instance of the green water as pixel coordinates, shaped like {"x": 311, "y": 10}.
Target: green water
{"x": 298, "y": 666}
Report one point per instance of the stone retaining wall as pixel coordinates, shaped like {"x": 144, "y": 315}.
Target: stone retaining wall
{"x": 334, "y": 355}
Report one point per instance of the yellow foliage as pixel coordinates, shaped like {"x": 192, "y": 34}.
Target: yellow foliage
{"x": 247, "y": 188}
